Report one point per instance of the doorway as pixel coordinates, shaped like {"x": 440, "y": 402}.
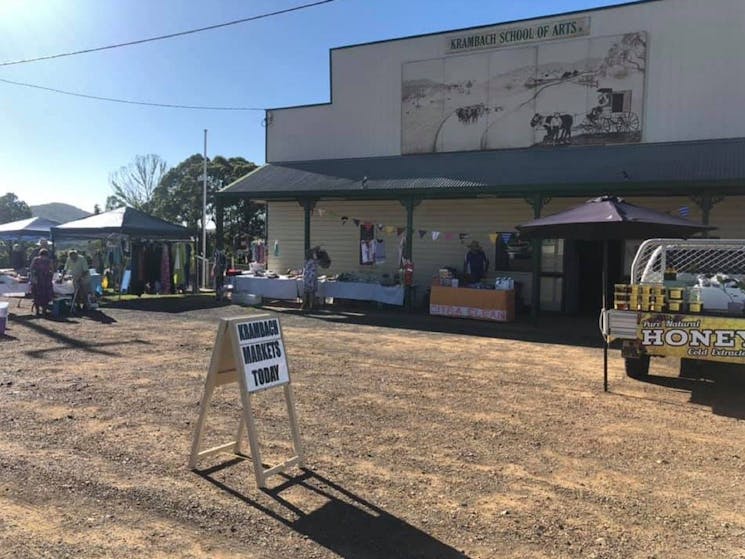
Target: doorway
{"x": 588, "y": 256}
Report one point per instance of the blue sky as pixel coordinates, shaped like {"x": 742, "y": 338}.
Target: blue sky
{"x": 55, "y": 148}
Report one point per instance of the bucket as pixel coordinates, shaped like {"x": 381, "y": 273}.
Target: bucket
{"x": 3, "y": 317}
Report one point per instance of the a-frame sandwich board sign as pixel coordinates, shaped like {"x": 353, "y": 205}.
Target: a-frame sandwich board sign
{"x": 250, "y": 351}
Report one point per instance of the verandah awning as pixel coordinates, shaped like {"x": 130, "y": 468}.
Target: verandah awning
{"x": 645, "y": 168}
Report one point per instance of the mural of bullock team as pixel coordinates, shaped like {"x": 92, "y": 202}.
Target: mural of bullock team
{"x": 584, "y": 91}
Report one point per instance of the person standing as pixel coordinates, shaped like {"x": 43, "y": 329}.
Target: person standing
{"x": 310, "y": 280}
{"x": 77, "y": 267}
{"x": 476, "y": 264}
{"x": 219, "y": 267}
{"x": 42, "y": 273}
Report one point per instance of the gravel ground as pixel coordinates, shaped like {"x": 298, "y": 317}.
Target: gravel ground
{"x": 431, "y": 438}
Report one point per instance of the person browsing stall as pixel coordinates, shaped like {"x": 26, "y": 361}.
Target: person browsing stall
{"x": 41, "y": 281}
{"x": 77, "y": 267}
{"x": 476, "y": 264}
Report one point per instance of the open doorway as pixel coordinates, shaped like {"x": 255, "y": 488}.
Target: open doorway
{"x": 588, "y": 260}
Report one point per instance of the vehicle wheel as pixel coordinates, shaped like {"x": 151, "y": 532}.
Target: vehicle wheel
{"x": 637, "y": 367}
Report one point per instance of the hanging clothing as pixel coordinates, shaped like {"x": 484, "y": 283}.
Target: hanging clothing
{"x": 379, "y": 250}
{"x": 187, "y": 264}
{"x": 165, "y": 270}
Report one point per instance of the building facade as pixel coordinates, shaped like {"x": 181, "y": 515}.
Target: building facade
{"x": 433, "y": 141}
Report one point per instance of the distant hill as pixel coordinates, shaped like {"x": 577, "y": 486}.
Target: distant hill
{"x": 58, "y": 212}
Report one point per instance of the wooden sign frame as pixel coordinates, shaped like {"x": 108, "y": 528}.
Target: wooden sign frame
{"x": 226, "y": 367}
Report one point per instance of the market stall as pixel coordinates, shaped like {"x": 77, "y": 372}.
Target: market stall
{"x": 155, "y": 254}
{"x": 284, "y": 288}
{"x": 290, "y": 288}
{"x": 482, "y": 304}
{"x": 360, "y": 291}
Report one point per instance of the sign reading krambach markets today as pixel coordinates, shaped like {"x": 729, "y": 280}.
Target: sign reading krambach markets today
{"x": 262, "y": 353}
{"x": 695, "y": 337}
{"x": 500, "y": 37}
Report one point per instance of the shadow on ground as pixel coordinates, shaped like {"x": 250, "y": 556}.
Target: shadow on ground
{"x": 720, "y": 386}
{"x": 550, "y": 329}
{"x": 345, "y": 523}
{"x": 66, "y": 342}
{"x": 166, "y": 304}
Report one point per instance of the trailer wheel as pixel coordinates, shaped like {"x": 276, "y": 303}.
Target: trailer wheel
{"x": 637, "y": 367}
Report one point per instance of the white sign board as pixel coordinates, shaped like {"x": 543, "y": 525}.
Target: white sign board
{"x": 248, "y": 351}
{"x": 262, "y": 351}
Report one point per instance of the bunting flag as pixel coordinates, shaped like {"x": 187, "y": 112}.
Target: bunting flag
{"x": 422, "y": 232}
{"x": 344, "y": 220}
{"x": 435, "y": 235}
{"x": 321, "y": 212}
{"x": 449, "y": 236}
{"x": 506, "y": 238}
{"x": 379, "y": 226}
{"x": 463, "y": 236}
{"x": 356, "y": 222}
{"x": 400, "y": 230}
{"x": 683, "y": 211}
{"x": 493, "y": 238}
{"x": 389, "y": 229}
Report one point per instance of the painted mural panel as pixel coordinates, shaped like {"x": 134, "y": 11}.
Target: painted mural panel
{"x": 422, "y": 104}
{"x": 585, "y": 91}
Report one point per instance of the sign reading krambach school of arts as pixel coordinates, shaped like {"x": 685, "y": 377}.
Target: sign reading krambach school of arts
{"x": 496, "y": 37}
{"x": 262, "y": 353}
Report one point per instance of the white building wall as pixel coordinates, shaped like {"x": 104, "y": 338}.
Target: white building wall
{"x": 694, "y": 84}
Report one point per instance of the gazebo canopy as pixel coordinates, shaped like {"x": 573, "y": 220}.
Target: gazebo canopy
{"x": 29, "y": 229}
{"x": 121, "y": 221}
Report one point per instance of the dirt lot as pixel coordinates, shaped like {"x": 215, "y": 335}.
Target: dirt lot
{"x": 424, "y": 438}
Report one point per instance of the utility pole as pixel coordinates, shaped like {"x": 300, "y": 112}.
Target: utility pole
{"x": 204, "y": 214}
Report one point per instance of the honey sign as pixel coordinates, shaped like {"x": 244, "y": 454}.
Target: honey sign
{"x": 694, "y": 337}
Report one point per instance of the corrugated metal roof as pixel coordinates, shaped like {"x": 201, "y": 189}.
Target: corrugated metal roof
{"x": 555, "y": 170}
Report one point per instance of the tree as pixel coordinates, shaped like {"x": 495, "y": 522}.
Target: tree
{"x": 13, "y": 209}
{"x": 134, "y": 184}
{"x": 112, "y": 203}
{"x": 96, "y": 209}
{"x": 178, "y": 197}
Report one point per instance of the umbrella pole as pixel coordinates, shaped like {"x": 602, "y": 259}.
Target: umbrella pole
{"x": 605, "y": 299}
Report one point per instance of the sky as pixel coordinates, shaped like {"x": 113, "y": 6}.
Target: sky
{"x": 57, "y": 148}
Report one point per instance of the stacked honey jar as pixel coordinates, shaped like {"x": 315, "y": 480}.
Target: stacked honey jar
{"x": 656, "y": 298}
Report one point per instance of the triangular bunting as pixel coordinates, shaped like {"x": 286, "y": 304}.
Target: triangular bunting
{"x": 493, "y": 238}
{"x": 506, "y": 237}
{"x": 356, "y": 222}
{"x": 422, "y": 232}
{"x": 344, "y": 220}
{"x": 400, "y": 230}
{"x": 449, "y": 236}
{"x": 379, "y": 226}
{"x": 435, "y": 235}
{"x": 389, "y": 229}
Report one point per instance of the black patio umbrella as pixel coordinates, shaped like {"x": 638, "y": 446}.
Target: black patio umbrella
{"x": 609, "y": 218}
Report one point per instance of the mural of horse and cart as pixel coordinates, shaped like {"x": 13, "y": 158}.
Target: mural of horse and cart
{"x": 610, "y": 117}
